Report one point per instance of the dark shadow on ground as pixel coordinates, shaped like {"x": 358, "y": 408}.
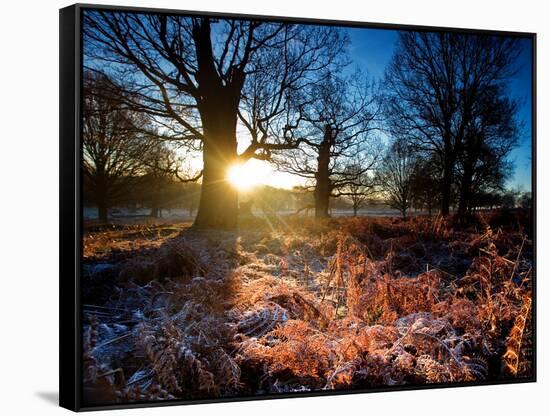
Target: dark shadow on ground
{"x": 140, "y": 307}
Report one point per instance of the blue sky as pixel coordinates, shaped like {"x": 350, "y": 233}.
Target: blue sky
{"x": 373, "y": 48}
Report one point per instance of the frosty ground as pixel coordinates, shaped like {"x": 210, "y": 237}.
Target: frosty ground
{"x": 286, "y": 304}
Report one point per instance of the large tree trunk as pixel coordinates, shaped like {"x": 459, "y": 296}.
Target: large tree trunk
{"x": 218, "y": 106}
{"x": 218, "y": 206}
{"x": 322, "y": 177}
{"x": 322, "y": 197}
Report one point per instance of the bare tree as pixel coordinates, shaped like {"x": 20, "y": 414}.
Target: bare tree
{"x": 359, "y": 190}
{"x": 161, "y": 168}
{"x": 196, "y": 77}
{"x": 338, "y": 125}
{"x": 114, "y": 140}
{"x": 526, "y": 200}
{"x": 488, "y": 139}
{"x": 434, "y": 84}
{"x": 425, "y": 183}
{"x": 396, "y": 176}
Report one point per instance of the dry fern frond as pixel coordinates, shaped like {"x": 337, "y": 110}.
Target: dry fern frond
{"x": 262, "y": 319}
{"x": 346, "y": 303}
{"x": 511, "y": 358}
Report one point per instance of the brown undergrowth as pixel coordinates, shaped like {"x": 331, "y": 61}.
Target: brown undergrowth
{"x": 285, "y": 306}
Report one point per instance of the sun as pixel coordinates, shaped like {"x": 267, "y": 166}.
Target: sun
{"x": 246, "y": 176}
{"x": 243, "y": 176}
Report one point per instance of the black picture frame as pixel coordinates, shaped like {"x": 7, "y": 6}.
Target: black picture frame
{"x": 70, "y": 214}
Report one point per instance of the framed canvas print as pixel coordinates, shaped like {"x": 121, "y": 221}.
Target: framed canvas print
{"x": 261, "y": 207}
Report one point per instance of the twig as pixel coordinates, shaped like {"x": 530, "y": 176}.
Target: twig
{"x": 112, "y": 340}
{"x": 517, "y": 259}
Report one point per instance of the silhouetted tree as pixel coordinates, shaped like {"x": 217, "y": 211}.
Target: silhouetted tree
{"x": 195, "y": 75}
{"x": 488, "y": 139}
{"x": 161, "y": 167}
{"x": 435, "y": 84}
{"x": 191, "y": 197}
{"x": 526, "y": 200}
{"x": 396, "y": 176}
{"x": 425, "y": 184}
{"x": 509, "y": 200}
{"x": 338, "y": 125}
{"x": 359, "y": 190}
{"x": 114, "y": 140}
{"x": 304, "y": 200}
